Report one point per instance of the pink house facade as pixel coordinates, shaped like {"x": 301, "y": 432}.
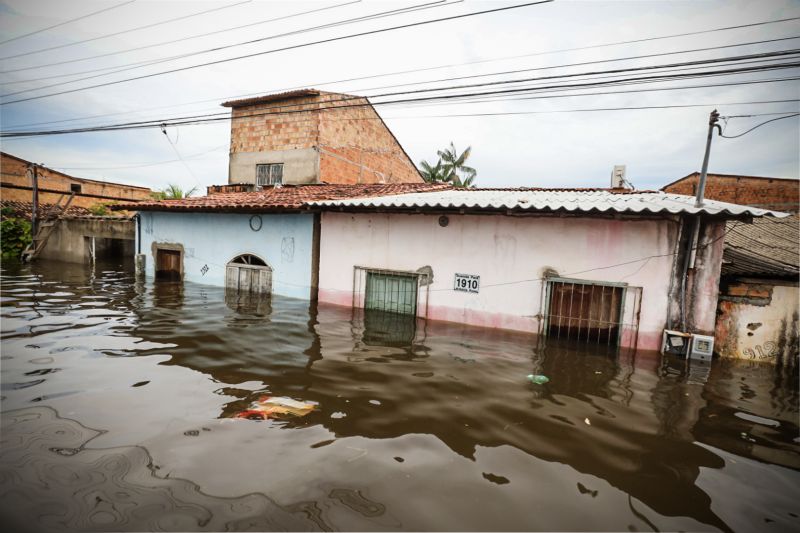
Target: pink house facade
{"x": 602, "y": 266}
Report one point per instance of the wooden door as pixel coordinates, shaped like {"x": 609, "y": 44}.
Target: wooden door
{"x": 168, "y": 265}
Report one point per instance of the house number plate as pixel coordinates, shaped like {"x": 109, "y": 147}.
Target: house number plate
{"x": 467, "y": 283}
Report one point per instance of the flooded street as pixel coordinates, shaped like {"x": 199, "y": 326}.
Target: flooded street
{"x": 119, "y": 401}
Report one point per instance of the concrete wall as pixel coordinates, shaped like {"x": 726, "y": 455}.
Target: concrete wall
{"x": 17, "y": 186}
{"x": 212, "y": 239}
{"x": 758, "y": 320}
{"x": 70, "y": 238}
{"x": 299, "y": 166}
{"x": 504, "y": 251}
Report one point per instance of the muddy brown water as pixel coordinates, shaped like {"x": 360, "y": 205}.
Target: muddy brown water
{"x": 118, "y": 397}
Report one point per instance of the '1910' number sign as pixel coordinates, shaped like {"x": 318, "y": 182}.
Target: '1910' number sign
{"x": 467, "y": 283}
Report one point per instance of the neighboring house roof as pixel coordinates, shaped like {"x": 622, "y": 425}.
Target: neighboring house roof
{"x": 285, "y": 198}
{"x": 767, "y": 247}
{"x": 550, "y": 200}
{"x": 717, "y": 174}
{"x": 271, "y": 98}
{"x": 25, "y": 209}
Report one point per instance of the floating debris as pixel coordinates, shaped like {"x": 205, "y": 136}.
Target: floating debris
{"x": 275, "y": 407}
{"x": 538, "y": 379}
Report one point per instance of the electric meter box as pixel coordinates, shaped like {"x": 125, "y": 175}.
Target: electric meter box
{"x": 675, "y": 342}
{"x": 701, "y": 347}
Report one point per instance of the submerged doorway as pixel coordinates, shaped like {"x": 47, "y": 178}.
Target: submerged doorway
{"x": 248, "y": 274}
{"x": 392, "y": 292}
{"x": 168, "y": 264}
{"x": 586, "y": 311}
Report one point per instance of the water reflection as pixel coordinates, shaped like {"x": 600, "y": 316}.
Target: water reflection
{"x": 405, "y": 409}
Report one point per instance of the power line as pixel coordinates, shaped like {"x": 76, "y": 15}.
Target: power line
{"x": 292, "y": 47}
{"x": 758, "y": 126}
{"x": 67, "y": 22}
{"x": 151, "y": 25}
{"x": 210, "y": 118}
{"x": 424, "y": 69}
{"x": 142, "y": 165}
{"x": 140, "y": 64}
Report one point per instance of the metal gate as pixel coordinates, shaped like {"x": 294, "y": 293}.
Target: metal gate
{"x": 591, "y": 311}
{"x": 393, "y": 291}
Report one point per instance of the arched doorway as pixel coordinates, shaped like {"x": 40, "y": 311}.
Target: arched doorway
{"x": 248, "y": 273}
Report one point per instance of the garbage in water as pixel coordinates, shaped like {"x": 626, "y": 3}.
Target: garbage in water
{"x": 538, "y": 379}
{"x": 276, "y": 407}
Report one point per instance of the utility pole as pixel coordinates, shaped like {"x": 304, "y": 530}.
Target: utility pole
{"x": 34, "y": 169}
{"x": 701, "y": 186}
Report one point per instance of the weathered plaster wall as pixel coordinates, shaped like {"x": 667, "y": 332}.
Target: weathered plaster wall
{"x": 759, "y": 320}
{"x": 68, "y": 241}
{"x": 213, "y": 239}
{"x": 703, "y": 288}
{"x": 299, "y": 166}
{"x": 509, "y": 253}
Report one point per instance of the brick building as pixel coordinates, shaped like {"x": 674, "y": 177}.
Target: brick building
{"x": 310, "y": 136}
{"x": 16, "y": 188}
{"x": 780, "y": 194}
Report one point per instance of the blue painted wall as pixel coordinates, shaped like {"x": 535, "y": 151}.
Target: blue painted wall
{"x": 212, "y": 239}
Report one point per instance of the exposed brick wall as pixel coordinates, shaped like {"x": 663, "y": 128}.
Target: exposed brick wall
{"x": 297, "y": 127}
{"x": 768, "y": 193}
{"x": 357, "y": 147}
{"x": 16, "y": 186}
{"x": 354, "y": 144}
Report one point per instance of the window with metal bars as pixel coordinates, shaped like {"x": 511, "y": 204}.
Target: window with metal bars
{"x": 392, "y": 292}
{"x": 587, "y": 311}
{"x": 269, "y": 174}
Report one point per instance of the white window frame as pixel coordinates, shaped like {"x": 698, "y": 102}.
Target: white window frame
{"x": 272, "y": 174}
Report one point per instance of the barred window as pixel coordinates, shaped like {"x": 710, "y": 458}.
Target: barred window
{"x": 269, "y": 174}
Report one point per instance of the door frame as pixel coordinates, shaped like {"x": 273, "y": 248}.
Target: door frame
{"x": 172, "y": 247}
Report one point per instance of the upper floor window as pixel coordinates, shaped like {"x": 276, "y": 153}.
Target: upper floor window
{"x": 269, "y": 174}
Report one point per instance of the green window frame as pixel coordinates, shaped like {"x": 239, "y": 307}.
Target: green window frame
{"x": 392, "y": 292}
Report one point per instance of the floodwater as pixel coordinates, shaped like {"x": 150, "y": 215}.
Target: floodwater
{"x": 118, "y": 401}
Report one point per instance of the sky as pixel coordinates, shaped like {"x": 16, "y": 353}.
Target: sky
{"x": 541, "y": 139}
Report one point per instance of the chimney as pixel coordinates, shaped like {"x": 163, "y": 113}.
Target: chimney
{"x": 618, "y": 180}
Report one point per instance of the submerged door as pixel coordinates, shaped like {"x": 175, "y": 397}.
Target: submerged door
{"x": 168, "y": 265}
{"x": 248, "y": 273}
{"x": 396, "y": 293}
{"x": 586, "y": 311}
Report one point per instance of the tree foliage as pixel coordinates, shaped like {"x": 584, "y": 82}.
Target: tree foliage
{"x": 173, "y": 192}
{"x": 15, "y": 235}
{"x": 450, "y": 168}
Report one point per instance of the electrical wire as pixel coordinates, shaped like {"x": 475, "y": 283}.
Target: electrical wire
{"x": 292, "y": 47}
{"x": 758, "y": 126}
{"x": 140, "y": 64}
{"x": 151, "y": 25}
{"x": 67, "y": 22}
{"x": 200, "y": 119}
{"x": 439, "y": 67}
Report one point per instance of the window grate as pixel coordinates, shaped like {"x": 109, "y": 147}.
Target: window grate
{"x": 592, "y": 312}
{"x": 269, "y": 174}
{"x": 392, "y": 291}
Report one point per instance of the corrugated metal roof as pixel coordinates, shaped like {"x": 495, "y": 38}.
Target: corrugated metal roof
{"x": 547, "y": 200}
{"x": 767, "y": 247}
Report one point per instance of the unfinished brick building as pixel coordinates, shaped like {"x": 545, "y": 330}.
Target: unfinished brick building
{"x": 16, "y": 186}
{"x": 780, "y": 194}
{"x": 310, "y": 136}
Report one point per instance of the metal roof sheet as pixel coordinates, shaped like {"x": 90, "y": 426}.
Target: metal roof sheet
{"x": 568, "y": 200}
{"x": 766, "y": 247}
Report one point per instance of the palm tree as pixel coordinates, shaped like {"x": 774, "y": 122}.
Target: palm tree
{"x": 173, "y": 192}
{"x": 457, "y": 172}
{"x": 432, "y": 173}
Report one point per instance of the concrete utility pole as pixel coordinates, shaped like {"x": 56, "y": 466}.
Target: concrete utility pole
{"x": 34, "y": 170}
{"x": 701, "y": 186}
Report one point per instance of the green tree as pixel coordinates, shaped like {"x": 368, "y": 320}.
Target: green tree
{"x": 459, "y": 174}
{"x": 173, "y": 192}
{"x": 450, "y": 168}
{"x": 432, "y": 173}
{"x": 15, "y": 234}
